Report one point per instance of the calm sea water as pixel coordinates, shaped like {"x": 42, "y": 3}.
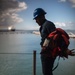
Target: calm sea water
{"x": 16, "y": 55}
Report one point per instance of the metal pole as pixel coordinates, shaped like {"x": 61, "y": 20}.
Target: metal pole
{"x": 34, "y": 62}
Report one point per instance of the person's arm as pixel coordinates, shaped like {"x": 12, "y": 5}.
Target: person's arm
{"x": 49, "y": 27}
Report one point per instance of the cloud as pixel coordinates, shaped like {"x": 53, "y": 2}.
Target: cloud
{"x": 71, "y": 1}
{"x": 62, "y": 1}
{"x": 66, "y": 25}
{"x": 8, "y": 12}
{"x": 70, "y": 25}
{"x": 59, "y": 24}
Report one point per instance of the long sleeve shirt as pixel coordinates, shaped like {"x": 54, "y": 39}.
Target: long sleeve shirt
{"x": 45, "y": 30}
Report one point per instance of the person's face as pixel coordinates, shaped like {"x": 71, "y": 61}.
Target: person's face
{"x": 38, "y": 20}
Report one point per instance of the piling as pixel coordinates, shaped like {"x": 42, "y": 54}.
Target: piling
{"x": 34, "y": 62}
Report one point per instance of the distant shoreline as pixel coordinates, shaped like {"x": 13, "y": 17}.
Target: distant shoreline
{"x": 17, "y": 31}
{"x": 36, "y": 32}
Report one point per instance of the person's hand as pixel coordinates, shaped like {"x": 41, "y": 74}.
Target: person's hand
{"x": 43, "y": 48}
{"x": 71, "y": 52}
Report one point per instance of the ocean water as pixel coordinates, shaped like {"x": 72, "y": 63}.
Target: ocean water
{"x": 16, "y": 55}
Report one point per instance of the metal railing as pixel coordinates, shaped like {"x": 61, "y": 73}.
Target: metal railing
{"x": 33, "y": 59}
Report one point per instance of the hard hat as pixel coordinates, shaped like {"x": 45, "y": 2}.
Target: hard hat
{"x": 38, "y": 12}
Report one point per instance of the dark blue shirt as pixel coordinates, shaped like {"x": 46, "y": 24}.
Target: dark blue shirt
{"x": 46, "y": 29}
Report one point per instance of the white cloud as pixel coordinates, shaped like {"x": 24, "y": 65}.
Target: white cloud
{"x": 73, "y": 2}
{"x": 8, "y": 12}
{"x": 62, "y": 1}
{"x": 22, "y": 5}
{"x": 59, "y": 24}
{"x": 66, "y": 25}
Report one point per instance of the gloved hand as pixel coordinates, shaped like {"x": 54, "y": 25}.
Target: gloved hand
{"x": 71, "y": 52}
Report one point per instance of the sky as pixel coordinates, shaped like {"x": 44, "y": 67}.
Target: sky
{"x": 18, "y": 14}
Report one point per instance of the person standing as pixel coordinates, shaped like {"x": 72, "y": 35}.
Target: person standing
{"x": 46, "y": 27}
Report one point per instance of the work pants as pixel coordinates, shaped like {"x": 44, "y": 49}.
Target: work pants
{"x": 47, "y": 64}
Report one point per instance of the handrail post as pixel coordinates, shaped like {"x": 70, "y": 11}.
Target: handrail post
{"x": 34, "y": 62}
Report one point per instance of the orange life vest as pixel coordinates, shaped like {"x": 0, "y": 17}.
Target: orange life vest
{"x": 59, "y": 42}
